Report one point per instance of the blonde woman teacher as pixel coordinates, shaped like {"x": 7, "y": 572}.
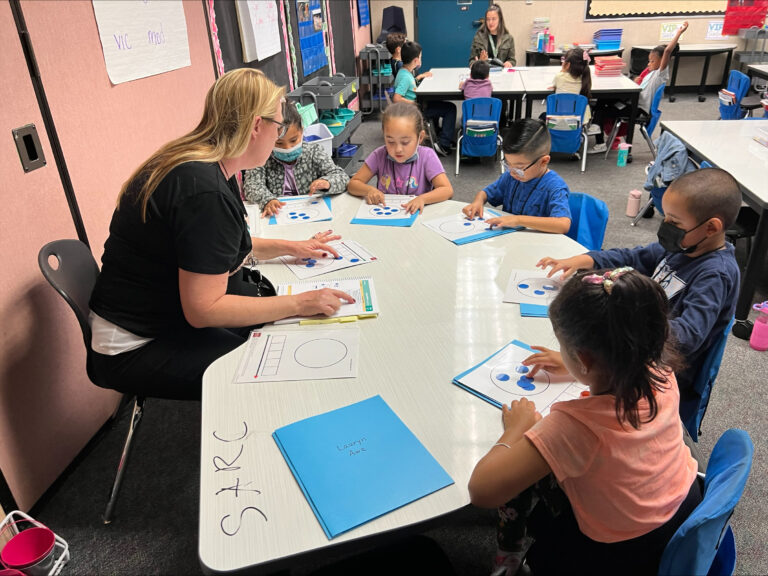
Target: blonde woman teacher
{"x": 493, "y": 41}
{"x": 172, "y": 295}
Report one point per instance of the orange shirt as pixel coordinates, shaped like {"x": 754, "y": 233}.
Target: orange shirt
{"x": 621, "y": 482}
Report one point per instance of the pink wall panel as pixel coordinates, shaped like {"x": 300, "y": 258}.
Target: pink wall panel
{"x": 362, "y": 33}
{"x": 106, "y": 131}
{"x": 48, "y": 408}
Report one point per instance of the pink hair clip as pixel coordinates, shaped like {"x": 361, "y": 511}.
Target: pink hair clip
{"x": 585, "y": 56}
{"x": 608, "y": 279}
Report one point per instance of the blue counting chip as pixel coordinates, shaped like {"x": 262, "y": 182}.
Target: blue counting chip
{"x": 502, "y": 377}
{"x": 294, "y": 217}
{"x": 481, "y": 219}
{"x": 339, "y": 258}
{"x": 305, "y": 217}
{"x": 292, "y": 213}
{"x": 355, "y": 260}
{"x": 522, "y": 369}
{"x": 523, "y": 286}
{"x": 312, "y": 261}
{"x": 467, "y": 223}
{"x": 315, "y": 202}
{"x": 306, "y": 259}
{"x": 549, "y": 287}
{"x": 310, "y": 264}
{"x": 526, "y": 383}
{"x": 539, "y": 292}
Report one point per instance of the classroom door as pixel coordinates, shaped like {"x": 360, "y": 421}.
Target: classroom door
{"x": 445, "y": 29}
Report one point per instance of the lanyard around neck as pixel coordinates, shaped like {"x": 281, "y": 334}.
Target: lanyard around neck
{"x": 394, "y": 178}
{"x": 517, "y": 185}
{"x": 493, "y": 44}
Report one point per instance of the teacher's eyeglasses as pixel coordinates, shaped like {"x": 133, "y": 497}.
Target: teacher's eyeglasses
{"x": 282, "y": 126}
{"x": 520, "y": 172}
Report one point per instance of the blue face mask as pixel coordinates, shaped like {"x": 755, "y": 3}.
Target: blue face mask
{"x": 287, "y": 154}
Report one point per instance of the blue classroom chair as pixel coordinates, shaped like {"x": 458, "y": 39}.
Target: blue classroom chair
{"x": 739, "y": 84}
{"x": 479, "y": 134}
{"x": 704, "y": 543}
{"x": 571, "y": 137}
{"x": 589, "y": 217}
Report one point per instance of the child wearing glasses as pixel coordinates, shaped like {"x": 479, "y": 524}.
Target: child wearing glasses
{"x": 294, "y": 168}
{"x": 535, "y": 196}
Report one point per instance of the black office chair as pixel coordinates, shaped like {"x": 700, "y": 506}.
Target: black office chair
{"x": 73, "y": 276}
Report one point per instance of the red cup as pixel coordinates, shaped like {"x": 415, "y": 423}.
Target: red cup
{"x": 30, "y": 551}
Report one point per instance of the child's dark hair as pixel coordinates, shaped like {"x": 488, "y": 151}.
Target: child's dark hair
{"x": 621, "y": 318}
{"x": 403, "y": 110}
{"x": 709, "y": 193}
{"x": 659, "y": 50}
{"x": 410, "y": 51}
{"x": 528, "y": 136}
{"x": 480, "y": 70}
{"x": 578, "y": 67}
{"x": 291, "y": 115}
{"x": 502, "y": 28}
{"x": 394, "y": 41}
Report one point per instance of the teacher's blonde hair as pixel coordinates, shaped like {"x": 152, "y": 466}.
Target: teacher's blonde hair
{"x": 231, "y": 107}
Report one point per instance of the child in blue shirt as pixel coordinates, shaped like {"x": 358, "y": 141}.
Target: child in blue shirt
{"x": 438, "y": 110}
{"x": 693, "y": 263}
{"x": 535, "y": 196}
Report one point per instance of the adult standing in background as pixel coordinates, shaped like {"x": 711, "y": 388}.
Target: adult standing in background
{"x": 493, "y": 41}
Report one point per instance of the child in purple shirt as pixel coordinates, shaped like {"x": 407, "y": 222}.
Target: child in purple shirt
{"x": 478, "y": 85}
{"x": 402, "y": 165}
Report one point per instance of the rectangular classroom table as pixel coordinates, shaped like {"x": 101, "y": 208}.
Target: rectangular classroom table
{"x": 728, "y": 144}
{"x": 444, "y": 85}
{"x": 441, "y": 313}
{"x": 689, "y": 50}
{"x": 759, "y": 70}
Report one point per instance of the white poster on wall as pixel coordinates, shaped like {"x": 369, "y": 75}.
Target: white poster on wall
{"x": 259, "y": 29}
{"x": 714, "y": 30}
{"x": 141, "y": 38}
{"x": 668, "y": 30}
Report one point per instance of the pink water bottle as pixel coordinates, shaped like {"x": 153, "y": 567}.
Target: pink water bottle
{"x": 551, "y": 45}
{"x": 759, "y": 338}
{"x": 633, "y": 203}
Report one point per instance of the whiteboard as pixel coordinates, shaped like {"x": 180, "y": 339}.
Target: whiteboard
{"x": 259, "y": 29}
{"x": 141, "y": 38}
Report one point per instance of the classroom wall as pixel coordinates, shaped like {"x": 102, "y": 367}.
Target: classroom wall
{"x": 568, "y": 26}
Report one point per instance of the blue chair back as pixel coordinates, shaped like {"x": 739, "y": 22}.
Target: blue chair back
{"x": 739, "y": 84}
{"x": 480, "y": 109}
{"x": 655, "y": 110}
{"x": 705, "y": 164}
{"x": 692, "y": 415}
{"x": 567, "y": 141}
{"x": 703, "y": 536}
{"x": 589, "y": 217}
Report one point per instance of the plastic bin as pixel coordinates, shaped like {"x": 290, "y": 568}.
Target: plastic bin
{"x": 325, "y": 136}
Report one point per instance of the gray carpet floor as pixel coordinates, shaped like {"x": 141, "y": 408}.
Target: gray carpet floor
{"x": 156, "y": 527}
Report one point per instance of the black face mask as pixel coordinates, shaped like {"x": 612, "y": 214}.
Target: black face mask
{"x": 670, "y": 238}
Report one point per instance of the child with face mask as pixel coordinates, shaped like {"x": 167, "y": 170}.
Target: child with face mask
{"x": 294, "y": 168}
{"x": 692, "y": 262}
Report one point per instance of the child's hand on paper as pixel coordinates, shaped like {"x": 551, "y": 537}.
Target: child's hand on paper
{"x": 568, "y": 266}
{"x": 546, "y": 359}
{"x": 272, "y": 208}
{"x": 511, "y": 221}
{"x": 375, "y": 197}
{"x": 326, "y": 301}
{"x": 475, "y": 209}
{"x": 520, "y": 416}
{"x": 414, "y": 205}
{"x": 319, "y": 185}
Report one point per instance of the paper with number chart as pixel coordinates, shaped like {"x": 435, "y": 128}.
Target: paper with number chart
{"x": 502, "y": 378}
{"x": 275, "y": 356}
{"x": 361, "y": 289}
{"x": 391, "y": 213}
{"x": 460, "y": 230}
{"x": 302, "y": 209}
{"x": 357, "y": 463}
{"x": 532, "y": 287}
{"x": 350, "y": 254}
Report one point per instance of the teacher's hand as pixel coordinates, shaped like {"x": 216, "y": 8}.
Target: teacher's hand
{"x": 311, "y": 249}
{"x": 326, "y": 301}
{"x": 507, "y": 64}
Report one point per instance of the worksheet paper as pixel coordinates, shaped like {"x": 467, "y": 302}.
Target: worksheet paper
{"x": 502, "y": 378}
{"x": 460, "y": 230}
{"x": 390, "y": 213}
{"x": 361, "y": 289}
{"x": 532, "y": 287}
{"x": 302, "y": 209}
{"x": 357, "y": 463}
{"x": 307, "y": 354}
{"x": 350, "y": 254}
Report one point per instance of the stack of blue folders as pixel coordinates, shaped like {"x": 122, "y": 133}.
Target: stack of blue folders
{"x": 357, "y": 463}
{"x": 608, "y": 38}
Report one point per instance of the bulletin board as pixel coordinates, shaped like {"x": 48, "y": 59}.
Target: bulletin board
{"x": 622, "y": 9}
{"x": 310, "y": 24}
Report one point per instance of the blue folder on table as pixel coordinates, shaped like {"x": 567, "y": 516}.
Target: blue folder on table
{"x": 357, "y": 463}
{"x": 534, "y": 310}
{"x": 403, "y": 222}
{"x": 489, "y": 233}
{"x": 326, "y": 199}
{"x": 457, "y": 379}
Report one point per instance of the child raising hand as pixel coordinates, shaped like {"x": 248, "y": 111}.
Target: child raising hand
{"x": 604, "y": 481}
